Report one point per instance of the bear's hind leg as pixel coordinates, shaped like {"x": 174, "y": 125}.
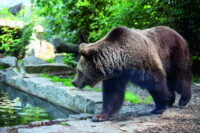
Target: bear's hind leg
{"x": 185, "y": 93}
{"x": 180, "y": 81}
{"x": 113, "y": 95}
{"x": 180, "y": 75}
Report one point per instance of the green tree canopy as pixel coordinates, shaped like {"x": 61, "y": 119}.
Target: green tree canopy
{"x": 89, "y": 20}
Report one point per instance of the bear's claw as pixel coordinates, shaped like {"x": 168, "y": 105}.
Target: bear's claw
{"x": 159, "y": 109}
{"x": 100, "y": 117}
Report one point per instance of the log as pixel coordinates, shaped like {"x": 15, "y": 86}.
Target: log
{"x": 62, "y": 47}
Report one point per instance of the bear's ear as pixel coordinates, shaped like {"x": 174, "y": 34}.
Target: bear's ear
{"x": 84, "y": 52}
{"x": 83, "y": 45}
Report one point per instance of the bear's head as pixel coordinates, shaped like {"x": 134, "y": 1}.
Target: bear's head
{"x": 86, "y": 71}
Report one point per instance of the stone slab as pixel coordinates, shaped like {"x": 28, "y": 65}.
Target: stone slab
{"x": 68, "y": 97}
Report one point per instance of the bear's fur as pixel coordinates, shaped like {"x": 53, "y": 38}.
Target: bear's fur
{"x": 156, "y": 59}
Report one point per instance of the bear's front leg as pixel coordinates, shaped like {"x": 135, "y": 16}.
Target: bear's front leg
{"x": 113, "y": 95}
{"x": 161, "y": 94}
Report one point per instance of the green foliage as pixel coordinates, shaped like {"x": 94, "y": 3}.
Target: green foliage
{"x": 2, "y": 67}
{"x": 9, "y": 40}
{"x": 6, "y": 15}
{"x": 194, "y": 59}
{"x": 69, "y": 60}
{"x": 14, "y": 41}
{"x": 196, "y": 79}
{"x": 51, "y": 60}
{"x": 63, "y": 123}
{"x": 129, "y": 96}
{"x": 89, "y": 20}
{"x": 70, "y": 18}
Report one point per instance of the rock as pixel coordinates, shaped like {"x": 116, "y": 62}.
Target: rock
{"x": 7, "y": 73}
{"x": 40, "y": 48}
{"x": 49, "y": 68}
{"x": 46, "y": 50}
{"x": 58, "y": 59}
{"x": 10, "y": 72}
{"x": 82, "y": 116}
{"x": 21, "y": 69}
{"x": 71, "y": 98}
{"x": 15, "y": 9}
{"x": 8, "y": 61}
{"x": 50, "y": 129}
{"x": 32, "y": 60}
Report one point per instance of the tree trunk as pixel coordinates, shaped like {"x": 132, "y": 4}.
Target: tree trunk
{"x": 62, "y": 47}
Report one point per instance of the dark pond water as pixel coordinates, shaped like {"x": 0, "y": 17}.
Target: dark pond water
{"x": 19, "y": 108}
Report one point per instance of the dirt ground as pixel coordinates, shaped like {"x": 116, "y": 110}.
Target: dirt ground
{"x": 185, "y": 120}
{"x": 174, "y": 120}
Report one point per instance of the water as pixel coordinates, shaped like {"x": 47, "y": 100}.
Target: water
{"x": 19, "y": 108}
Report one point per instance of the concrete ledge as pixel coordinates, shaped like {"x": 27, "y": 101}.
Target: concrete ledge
{"x": 67, "y": 97}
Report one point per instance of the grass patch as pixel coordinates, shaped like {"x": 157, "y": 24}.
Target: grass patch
{"x": 20, "y": 61}
{"x": 66, "y": 81}
{"x": 63, "y": 123}
{"x": 51, "y": 60}
{"x": 129, "y": 96}
{"x": 3, "y": 67}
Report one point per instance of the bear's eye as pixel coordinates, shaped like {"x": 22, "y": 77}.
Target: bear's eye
{"x": 80, "y": 74}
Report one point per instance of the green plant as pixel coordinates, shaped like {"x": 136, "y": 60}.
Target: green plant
{"x": 14, "y": 41}
{"x": 69, "y": 60}
{"x": 63, "y": 123}
{"x": 6, "y": 15}
{"x": 196, "y": 79}
{"x": 194, "y": 59}
{"x": 20, "y": 61}
{"x": 2, "y": 67}
{"x": 131, "y": 97}
{"x": 75, "y": 20}
{"x": 51, "y": 60}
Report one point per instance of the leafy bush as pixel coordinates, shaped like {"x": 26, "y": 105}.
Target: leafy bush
{"x": 6, "y": 15}
{"x": 75, "y": 20}
{"x": 196, "y": 79}
{"x": 14, "y": 41}
{"x": 69, "y": 60}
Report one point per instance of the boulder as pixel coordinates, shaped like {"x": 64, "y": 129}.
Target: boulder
{"x": 32, "y": 60}
{"x": 8, "y": 61}
{"x": 56, "y": 68}
{"x": 15, "y": 9}
{"x": 58, "y": 59}
{"x": 40, "y": 48}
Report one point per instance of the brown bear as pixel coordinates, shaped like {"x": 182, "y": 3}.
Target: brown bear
{"x": 156, "y": 59}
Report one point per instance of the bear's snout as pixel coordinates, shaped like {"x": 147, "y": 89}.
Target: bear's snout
{"x": 74, "y": 83}
{"x": 77, "y": 84}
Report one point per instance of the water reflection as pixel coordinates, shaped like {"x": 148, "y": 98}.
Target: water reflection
{"x": 18, "y": 108}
